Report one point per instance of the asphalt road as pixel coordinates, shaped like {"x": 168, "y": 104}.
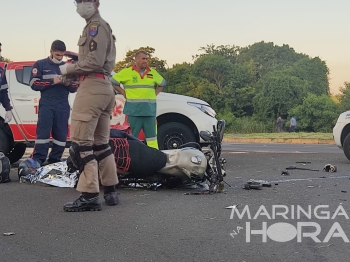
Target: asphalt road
{"x": 169, "y": 225}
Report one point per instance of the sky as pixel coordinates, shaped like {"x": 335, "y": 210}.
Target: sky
{"x": 177, "y": 29}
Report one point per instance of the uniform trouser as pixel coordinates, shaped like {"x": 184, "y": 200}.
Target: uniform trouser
{"x": 149, "y": 126}
{"x": 52, "y": 119}
{"x": 90, "y": 126}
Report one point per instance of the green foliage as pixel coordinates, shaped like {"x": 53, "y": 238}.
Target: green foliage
{"x": 216, "y": 69}
{"x": 4, "y": 59}
{"x": 316, "y": 113}
{"x": 314, "y": 71}
{"x": 344, "y": 97}
{"x": 250, "y": 86}
{"x": 277, "y": 93}
{"x": 268, "y": 57}
{"x": 227, "y": 51}
{"x": 244, "y": 125}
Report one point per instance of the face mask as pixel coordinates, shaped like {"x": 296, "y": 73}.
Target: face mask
{"x": 56, "y": 61}
{"x": 86, "y": 9}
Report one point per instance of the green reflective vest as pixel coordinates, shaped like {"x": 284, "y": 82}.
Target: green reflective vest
{"x": 139, "y": 90}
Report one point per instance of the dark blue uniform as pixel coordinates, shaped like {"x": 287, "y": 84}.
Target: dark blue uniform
{"x": 53, "y": 111}
{"x": 4, "y": 97}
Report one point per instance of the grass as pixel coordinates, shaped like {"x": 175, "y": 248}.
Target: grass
{"x": 284, "y": 135}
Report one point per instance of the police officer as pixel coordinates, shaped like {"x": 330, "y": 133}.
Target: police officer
{"x": 4, "y": 97}
{"x": 54, "y": 109}
{"x": 93, "y": 104}
{"x": 141, "y": 87}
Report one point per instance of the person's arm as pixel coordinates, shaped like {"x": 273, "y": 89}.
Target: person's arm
{"x": 159, "y": 82}
{"x": 96, "y": 57}
{"x": 4, "y": 96}
{"x": 72, "y": 86}
{"x": 36, "y": 82}
{"x": 118, "y": 79}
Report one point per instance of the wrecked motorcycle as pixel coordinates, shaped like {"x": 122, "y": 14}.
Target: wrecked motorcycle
{"x": 189, "y": 165}
{"x": 141, "y": 166}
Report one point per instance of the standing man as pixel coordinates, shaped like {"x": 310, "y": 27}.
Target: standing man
{"x": 54, "y": 108}
{"x": 279, "y": 124}
{"x": 93, "y": 104}
{"x": 293, "y": 124}
{"x": 4, "y": 96}
{"x": 141, "y": 87}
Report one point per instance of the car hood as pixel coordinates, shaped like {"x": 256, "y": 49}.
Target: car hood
{"x": 175, "y": 97}
{"x": 344, "y": 116}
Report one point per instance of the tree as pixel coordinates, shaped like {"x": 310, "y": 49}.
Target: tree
{"x": 344, "y": 97}
{"x": 178, "y": 76}
{"x": 277, "y": 93}
{"x": 227, "y": 51}
{"x": 216, "y": 69}
{"x": 316, "y": 113}
{"x": 315, "y": 71}
{"x": 153, "y": 62}
{"x": 3, "y": 59}
{"x": 268, "y": 57}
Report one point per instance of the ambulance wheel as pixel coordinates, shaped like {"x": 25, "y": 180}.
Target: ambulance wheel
{"x": 172, "y": 135}
{"x": 5, "y": 142}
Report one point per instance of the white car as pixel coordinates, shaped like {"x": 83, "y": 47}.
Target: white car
{"x": 341, "y": 133}
{"x": 179, "y": 118}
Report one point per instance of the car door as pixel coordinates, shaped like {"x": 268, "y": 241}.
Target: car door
{"x": 24, "y": 100}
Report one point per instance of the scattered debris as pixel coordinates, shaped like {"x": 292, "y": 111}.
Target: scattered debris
{"x": 330, "y": 168}
{"x": 231, "y": 207}
{"x": 303, "y": 162}
{"x": 326, "y": 245}
{"x": 264, "y": 183}
{"x": 9, "y": 234}
{"x": 301, "y": 168}
{"x": 285, "y": 173}
{"x": 209, "y": 218}
{"x": 310, "y": 186}
{"x": 252, "y": 185}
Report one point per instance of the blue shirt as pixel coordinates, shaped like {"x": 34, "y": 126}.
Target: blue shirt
{"x": 293, "y": 122}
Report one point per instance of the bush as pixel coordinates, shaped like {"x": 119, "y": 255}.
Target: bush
{"x": 245, "y": 125}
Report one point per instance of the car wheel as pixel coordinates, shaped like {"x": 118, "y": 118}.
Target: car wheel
{"x": 5, "y": 142}
{"x": 346, "y": 146}
{"x": 172, "y": 135}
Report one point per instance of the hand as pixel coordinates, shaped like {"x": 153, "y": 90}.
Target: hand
{"x": 57, "y": 80}
{"x": 8, "y": 116}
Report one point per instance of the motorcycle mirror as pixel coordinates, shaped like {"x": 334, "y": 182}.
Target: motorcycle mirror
{"x": 205, "y": 135}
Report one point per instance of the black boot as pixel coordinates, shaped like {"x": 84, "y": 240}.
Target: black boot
{"x": 111, "y": 196}
{"x": 83, "y": 203}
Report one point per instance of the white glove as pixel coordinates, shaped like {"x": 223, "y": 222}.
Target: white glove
{"x": 8, "y": 116}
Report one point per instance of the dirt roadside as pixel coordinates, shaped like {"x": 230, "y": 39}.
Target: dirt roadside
{"x": 279, "y": 140}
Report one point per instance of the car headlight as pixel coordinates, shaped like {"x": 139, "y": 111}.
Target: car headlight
{"x": 204, "y": 108}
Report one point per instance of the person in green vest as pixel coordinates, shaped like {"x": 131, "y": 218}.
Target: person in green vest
{"x": 141, "y": 87}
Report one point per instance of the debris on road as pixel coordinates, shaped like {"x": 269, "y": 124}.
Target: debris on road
{"x": 285, "y": 173}
{"x": 9, "y": 234}
{"x": 231, "y": 207}
{"x": 301, "y": 168}
{"x": 330, "y": 168}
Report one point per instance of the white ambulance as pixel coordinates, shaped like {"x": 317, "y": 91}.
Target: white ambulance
{"x": 180, "y": 118}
